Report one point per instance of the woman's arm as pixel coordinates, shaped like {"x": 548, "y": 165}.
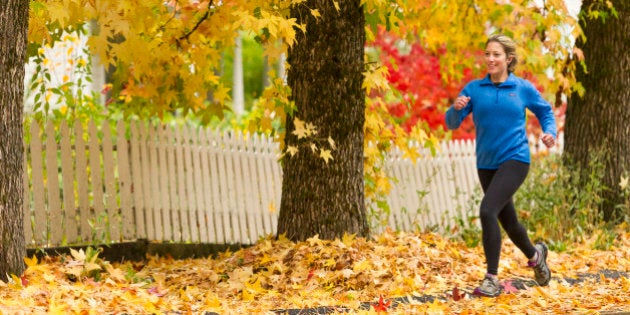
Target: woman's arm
{"x": 458, "y": 111}
{"x": 544, "y": 113}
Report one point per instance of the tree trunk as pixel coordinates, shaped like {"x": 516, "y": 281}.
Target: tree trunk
{"x": 599, "y": 121}
{"x": 325, "y": 75}
{"x": 13, "y": 39}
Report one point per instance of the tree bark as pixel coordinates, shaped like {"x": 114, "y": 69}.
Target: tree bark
{"x": 13, "y": 40}
{"x": 325, "y": 75}
{"x": 599, "y": 121}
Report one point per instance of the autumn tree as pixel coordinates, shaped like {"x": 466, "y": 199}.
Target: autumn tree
{"x": 597, "y": 122}
{"x": 13, "y": 39}
{"x": 324, "y": 194}
{"x": 334, "y": 136}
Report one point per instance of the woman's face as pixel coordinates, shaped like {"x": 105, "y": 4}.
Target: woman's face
{"x": 496, "y": 59}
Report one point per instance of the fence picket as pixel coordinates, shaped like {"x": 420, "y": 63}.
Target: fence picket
{"x": 182, "y": 210}
{"x": 274, "y": 174}
{"x": 209, "y": 226}
{"x": 227, "y": 193}
{"x": 396, "y": 210}
{"x": 69, "y": 208}
{"x": 250, "y": 191}
{"x": 52, "y": 183}
{"x": 124, "y": 183}
{"x": 216, "y": 187}
{"x": 39, "y": 195}
{"x": 26, "y": 206}
{"x": 96, "y": 174}
{"x": 173, "y": 197}
{"x": 199, "y": 213}
{"x": 112, "y": 211}
{"x": 154, "y": 219}
{"x": 163, "y": 183}
{"x": 239, "y": 189}
{"x": 82, "y": 182}
{"x": 147, "y": 191}
{"x": 255, "y": 196}
{"x": 137, "y": 176}
{"x": 198, "y": 200}
{"x": 191, "y": 207}
{"x": 268, "y": 200}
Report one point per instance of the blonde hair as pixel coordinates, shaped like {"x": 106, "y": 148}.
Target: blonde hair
{"x": 509, "y": 46}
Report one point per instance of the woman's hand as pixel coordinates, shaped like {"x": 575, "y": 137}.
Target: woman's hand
{"x": 548, "y": 140}
{"x": 461, "y": 102}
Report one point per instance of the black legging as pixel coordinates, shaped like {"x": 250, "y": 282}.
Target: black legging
{"x": 499, "y": 186}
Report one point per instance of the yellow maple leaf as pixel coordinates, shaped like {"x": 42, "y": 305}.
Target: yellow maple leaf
{"x": 330, "y": 262}
{"x": 293, "y": 150}
{"x": 310, "y": 129}
{"x": 78, "y": 254}
{"x": 31, "y": 262}
{"x": 348, "y": 239}
{"x": 300, "y": 128}
{"x": 252, "y": 289}
{"x": 15, "y": 283}
{"x": 315, "y": 13}
{"x": 221, "y": 94}
{"x": 265, "y": 259}
{"x": 362, "y": 265}
{"x": 376, "y": 79}
{"x": 326, "y": 155}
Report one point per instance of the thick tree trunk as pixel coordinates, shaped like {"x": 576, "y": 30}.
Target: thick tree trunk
{"x": 13, "y": 39}
{"x": 325, "y": 75}
{"x": 600, "y": 121}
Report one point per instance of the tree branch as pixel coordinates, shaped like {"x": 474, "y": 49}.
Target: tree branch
{"x": 201, "y": 20}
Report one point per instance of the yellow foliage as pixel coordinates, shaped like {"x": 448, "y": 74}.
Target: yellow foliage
{"x": 168, "y": 54}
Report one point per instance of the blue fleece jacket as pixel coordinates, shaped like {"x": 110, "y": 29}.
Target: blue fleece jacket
{"x": 499, "y": 118}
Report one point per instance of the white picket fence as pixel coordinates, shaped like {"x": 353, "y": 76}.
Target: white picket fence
{"x": 129, "y": 181}
{"x": 157, "y": 183}
{"x": 434, "y": 190}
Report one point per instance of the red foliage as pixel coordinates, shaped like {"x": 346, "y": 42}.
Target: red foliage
{"x": 381, "y": 306}
{"x": 426, "y": 96}
{"x": 418, "y": 78}
{"x": 457, "y": 294}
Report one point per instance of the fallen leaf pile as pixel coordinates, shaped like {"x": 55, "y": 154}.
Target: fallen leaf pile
{"x": 352, "y": 275}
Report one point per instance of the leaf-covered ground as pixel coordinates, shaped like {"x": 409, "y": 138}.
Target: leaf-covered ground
{"x": 393, "y": 273}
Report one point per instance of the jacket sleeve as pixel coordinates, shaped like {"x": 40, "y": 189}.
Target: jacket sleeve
{"x": 543, "y": 111}
{"x": 453, "y": 117}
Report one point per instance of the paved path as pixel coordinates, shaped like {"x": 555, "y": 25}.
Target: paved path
{"x": 519, "y": 284}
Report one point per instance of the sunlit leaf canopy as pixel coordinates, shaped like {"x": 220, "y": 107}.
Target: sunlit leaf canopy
{"x": 167, "y": 54}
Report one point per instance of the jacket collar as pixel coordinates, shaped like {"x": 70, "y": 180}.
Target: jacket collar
{"x": 510, "y": 81}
